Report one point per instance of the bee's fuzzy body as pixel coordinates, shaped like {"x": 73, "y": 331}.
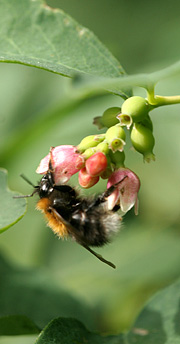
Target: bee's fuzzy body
{"x": 86, "y": 220}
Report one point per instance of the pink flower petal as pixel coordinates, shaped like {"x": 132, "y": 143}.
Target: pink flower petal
{"x": 65, "y": 162}
{"x": 128, "y": 188}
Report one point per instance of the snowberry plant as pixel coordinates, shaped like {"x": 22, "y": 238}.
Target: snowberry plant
{"x": 35, "y": 35}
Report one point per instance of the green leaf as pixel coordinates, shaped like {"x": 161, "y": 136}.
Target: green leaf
{"x": 34, "y": 293}
{"x": 17, "y": 325}
{"x": 36, "y": 35}
{"x": 71, "y": 331}
{"x": 12, "y": 209}
{"x": 159, "y": 322}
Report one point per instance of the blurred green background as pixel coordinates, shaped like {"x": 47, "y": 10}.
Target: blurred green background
{"x": 52, "y": 277}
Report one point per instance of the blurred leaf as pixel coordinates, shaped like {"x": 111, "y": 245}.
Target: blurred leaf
{"x": 17, "y": 325}
{"x": 36, "y": 35}
{"x": 94, "y": 84}
{"x": 159, "y": 322}
{"x": 72, "y": 331}
{"x": 11, "y": 210}
{"x": 34, "y": 293}
{"x": 142, "y": 267}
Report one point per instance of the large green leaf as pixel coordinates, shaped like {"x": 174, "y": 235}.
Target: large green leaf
{"x": 159, "y": 322}
{"x": 34, "y": 34}
{"x": 72, "y": 331}
{"x": 35, "y": 293}
{"x": 11, "y": 210}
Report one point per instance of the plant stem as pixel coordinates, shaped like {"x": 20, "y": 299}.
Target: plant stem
{"x": 156, "y": 101}
{"x": 160, "y": 100}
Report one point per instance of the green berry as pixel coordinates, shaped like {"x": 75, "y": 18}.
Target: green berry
{"x": 115, "y": 132}
{"x": 115, "y": 136}
{"x": 143, "y": 141}
{"x": 135, "y": 107}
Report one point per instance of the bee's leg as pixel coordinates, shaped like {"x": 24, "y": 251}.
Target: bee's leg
{"x": 99, "y": 257}
{"x": 103, "y": 197}
{"x": 109, "y": 191}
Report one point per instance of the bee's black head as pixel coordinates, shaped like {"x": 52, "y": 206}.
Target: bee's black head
{"x": 46, "y": 185}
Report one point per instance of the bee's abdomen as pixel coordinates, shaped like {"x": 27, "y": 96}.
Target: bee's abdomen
{"x": 94, "y": 228}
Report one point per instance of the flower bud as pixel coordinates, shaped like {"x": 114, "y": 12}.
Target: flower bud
{"x": 102, "y": 147}
{"x": 143, "y": 141}
{"x": 96, "y": 164}
{"x": 90, "y": 141}
{"x": 85, "y": 180}
{"x": 108, "y": 119}
{"x": 134, "y": 109}
{"x": 88, "y": 152}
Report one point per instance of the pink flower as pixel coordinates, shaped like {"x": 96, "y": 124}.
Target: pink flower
{"x": 126, "y": 192}
{"x": 66, "y": 161}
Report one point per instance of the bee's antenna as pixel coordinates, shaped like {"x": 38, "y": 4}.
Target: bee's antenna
{"x": 27, "y": 180}
{"x": 25, "y": 196}
{"x": 99, "y": 257}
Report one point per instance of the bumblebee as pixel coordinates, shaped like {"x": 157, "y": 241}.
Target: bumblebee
{"x": 87, "y": 220}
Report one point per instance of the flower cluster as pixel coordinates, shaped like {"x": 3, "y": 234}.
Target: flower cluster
{"x": 102, "y": 156}
{"x": 133, "y": 115}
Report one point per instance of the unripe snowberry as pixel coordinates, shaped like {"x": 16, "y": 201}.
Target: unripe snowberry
{"x": 134, "y": 109}
{"x": 115, "y": 132}
{"x": 90, "y": 141}
{"x": 116, "y": 136}
{"x": 108, "y": 119}
{"x": 143, "y": 141}
{"x": 96, "y": 164}
{"x": 85, "y": 180}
